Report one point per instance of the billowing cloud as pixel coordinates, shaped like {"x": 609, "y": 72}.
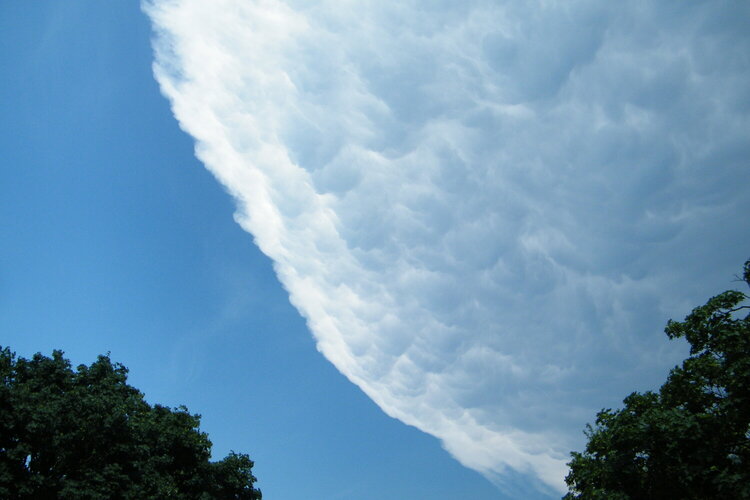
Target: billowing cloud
{"x": 484, "y": 210}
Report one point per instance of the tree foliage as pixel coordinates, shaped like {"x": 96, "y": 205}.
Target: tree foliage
{"x": 87, "y": 434}
{"x": 691, "y": 440}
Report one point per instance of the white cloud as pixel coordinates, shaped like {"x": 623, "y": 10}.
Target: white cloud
{"x": 485, "y": 211}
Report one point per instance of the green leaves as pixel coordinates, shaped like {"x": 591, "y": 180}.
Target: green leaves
{"x": 88, "y": 434}
{"x": 689, "y": 440}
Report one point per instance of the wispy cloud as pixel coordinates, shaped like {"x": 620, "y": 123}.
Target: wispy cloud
{"x": 483, "y": 209}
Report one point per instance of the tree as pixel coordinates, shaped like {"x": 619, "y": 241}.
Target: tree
{"x": 88, "y": 434}
{"x": 692, "y": 438}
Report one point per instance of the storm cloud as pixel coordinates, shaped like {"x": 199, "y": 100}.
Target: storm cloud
{"x": 486, "y": 211}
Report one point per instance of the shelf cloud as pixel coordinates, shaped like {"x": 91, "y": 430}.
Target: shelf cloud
{"x": 485, "y": 211}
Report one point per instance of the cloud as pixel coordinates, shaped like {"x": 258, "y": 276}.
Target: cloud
{"x": 485, "y": 211}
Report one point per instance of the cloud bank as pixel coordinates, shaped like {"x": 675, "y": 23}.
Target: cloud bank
{"x": 484, "y": 210}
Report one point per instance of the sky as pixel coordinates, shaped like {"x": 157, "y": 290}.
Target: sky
{"x": 387, "y": 249}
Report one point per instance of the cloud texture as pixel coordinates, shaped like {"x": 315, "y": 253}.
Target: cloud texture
{"x": 485, "y": 210}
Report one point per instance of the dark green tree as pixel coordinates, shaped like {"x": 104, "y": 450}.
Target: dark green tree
{"x": 87, "y": 434}
{"x": 691, "y": 440}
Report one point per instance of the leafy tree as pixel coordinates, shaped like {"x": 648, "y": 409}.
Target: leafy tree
{"x": 87, "y": 434}
{"x": 691, "y": 440}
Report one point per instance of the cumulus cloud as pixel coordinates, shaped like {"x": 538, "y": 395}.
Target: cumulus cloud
{"x": 484, "y": 210}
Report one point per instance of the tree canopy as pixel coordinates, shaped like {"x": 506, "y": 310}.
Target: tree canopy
{"x": 689, "y": 440}
{"x": 87, "y": 434}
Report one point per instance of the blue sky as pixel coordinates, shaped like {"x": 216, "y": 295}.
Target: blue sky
{"x": 483, "y": 216}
